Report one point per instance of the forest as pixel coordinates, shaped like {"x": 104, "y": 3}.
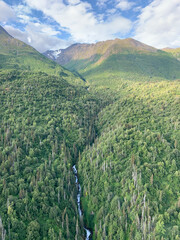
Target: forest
{"x": 130, "y": 174}
{"x": 122, "y": 134}
{"x": 45, "y": 123}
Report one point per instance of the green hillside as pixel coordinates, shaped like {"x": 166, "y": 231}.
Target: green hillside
{"x": 130, "y": 176}
{"x": 15, "y": 54}
{"x": 174, "y": 51}
{"x": 121, "y": 129}
{"x": 133, "y": 67}
{"x": 124, "y": 59}
{"x": 45, "y": 121}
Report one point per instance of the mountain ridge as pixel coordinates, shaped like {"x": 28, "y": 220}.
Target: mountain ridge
{"x": 122, "y": 133}
{"x": 119, "y": 58}
{"x": 85, "y": 50}
{"x": 4, "y": 32}
{"x": 15, "y": 54}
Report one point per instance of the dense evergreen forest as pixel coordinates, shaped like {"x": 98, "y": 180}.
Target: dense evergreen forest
{"x": 131, "y": 173}
{"x": 123, "y": 135}
{"x": 45, "y": 122}
{"x": 47, "y": 117}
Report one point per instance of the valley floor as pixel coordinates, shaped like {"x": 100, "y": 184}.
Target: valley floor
{"x": 124, "y": 141}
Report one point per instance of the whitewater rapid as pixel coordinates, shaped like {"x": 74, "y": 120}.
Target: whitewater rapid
{"x": 88, "y": 233}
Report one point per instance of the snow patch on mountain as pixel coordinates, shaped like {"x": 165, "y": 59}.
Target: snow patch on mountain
{"x": 56, "y": 53}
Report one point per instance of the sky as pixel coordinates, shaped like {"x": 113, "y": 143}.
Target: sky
{"x": 56, "y": 24}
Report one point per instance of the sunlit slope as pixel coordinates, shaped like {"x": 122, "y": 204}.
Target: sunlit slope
{"x": 103, "y": 49}
{"x": 16, "y": 55}
{"x": 174, "y": 51}
{"x": 133, "y": 67}
{"x": 123, "y": 59}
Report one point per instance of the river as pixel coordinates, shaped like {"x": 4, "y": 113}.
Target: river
{"x": 88, "y": 233}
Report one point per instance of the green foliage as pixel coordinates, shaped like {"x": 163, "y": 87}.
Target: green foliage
{"x": 45, "y": 123}
{"x": 173, "y": 51}
{"x": 123, "y": 135}
{"x": 159, "y": 229}
{"x": 130, "y": 175}
{"x": 128, "y": 66}
{"x": 16, "y": 55}
{"x": 33, "y": 231}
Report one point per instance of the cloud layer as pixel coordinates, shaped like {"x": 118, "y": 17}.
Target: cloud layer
{"x": 124, "y": 5}
{"x": 158, "y": 24}
{"x": 74, "y": 18}
{"x": 6, "y": 12}
{"x": 78, "y": 19}
{"x": 40, "y": 36}
{"x": 54, "y": 24}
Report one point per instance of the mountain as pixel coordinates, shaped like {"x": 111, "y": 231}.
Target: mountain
{"x": 120, "y": 129}
{"x": 174, "y": 51}
{"x": 15, "y": 54}
{"x": 105, "y": 49}
{"x": 4, "y": 33}
{"x": 130, "y": 175}
{"x": 46, "y": 119}
{"x": 123, "y": 59}
{"x": 53, "y": 54}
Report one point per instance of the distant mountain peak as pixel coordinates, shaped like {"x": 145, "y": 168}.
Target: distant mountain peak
{"x": 80, "y": 51}
{"x": 120, "y": 57}
{"x": 56, "y": 53}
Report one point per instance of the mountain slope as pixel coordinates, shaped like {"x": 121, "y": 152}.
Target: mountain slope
{"x": 53, "y": 54}
{"x": 15, "y": 54}
{"x": 123, "y": 135}
{"x": 44, "y": 123}
{"x": 123, "y": 59}
{"x": 4, "y": 33}
{"x": 174, "y": 51}
{"x": 130, "y": 176}
{"x": 105, "y": 49}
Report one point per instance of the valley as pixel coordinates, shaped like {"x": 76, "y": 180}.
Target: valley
{"x": 118, "y": 129}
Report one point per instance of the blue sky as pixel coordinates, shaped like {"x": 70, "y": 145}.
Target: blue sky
{"x": 54, "y": 24}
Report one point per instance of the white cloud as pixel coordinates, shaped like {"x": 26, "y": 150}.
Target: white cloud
{"x": 101, "y": 3}
{"x": 24, "y": 14}
{"x": 80, "y": 21}
{"x": 137, "y": 9}
{"x": 29, "y": 39}
{"x": 6, "y": 12}
{"x": 40, "y": 36}
{"x": 111, "y": 11}
{"x": 158, "y": 24}
{"x": 75, "y": 17}
{"x": 73, "y": 2}
{"x": 19, "y": 9}
{"x": 124, "y": 5}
